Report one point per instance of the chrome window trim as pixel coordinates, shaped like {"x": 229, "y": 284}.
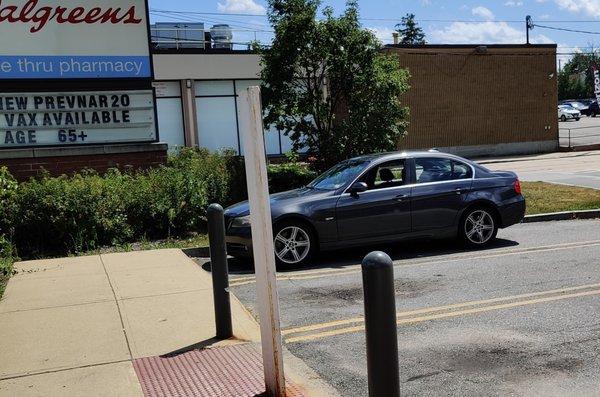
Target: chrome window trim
{"x": 407, "y": 186}
{"x": 377, "y": 190}
{"x": 450, "y": 157}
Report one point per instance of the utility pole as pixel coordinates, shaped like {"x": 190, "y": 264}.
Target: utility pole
{"x": 528, "y": 26}
{"x": 251, "y": 126}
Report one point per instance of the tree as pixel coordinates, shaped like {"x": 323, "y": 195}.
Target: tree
{"x": 576, "y": 78}
{"x": 327, "y": 84}
{"x": 409, "y": 31}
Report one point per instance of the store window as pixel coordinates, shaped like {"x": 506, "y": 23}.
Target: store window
{"x": 272, "y": 140}
{"x": 217, "y": 123}
{"x": 217, "y": 102}
{"x": 216, "y": 115}
{"x": 169, "y": 113}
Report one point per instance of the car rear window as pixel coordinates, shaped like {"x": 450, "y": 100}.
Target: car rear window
{"x": 430, "y": 169}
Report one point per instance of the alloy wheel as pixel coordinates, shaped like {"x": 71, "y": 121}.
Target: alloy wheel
{"x": 292, "y": 245}
{"x": 479, "y": 227}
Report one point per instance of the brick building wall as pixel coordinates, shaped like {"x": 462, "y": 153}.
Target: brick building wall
{"x": 26, "y": 163}
{"x": 491, "y": 100}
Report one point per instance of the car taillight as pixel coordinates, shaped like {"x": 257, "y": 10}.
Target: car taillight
{"x": 517, "y": 186}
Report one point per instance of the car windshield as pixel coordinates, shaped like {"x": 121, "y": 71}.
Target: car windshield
{"x": 339, "y": 175}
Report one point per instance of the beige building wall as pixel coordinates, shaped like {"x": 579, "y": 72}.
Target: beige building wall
{"x": 189, "y": 68}
{"x": 488, "y": 101}
{"x": 206, "y": 66}
{"x": 492, "y": 100}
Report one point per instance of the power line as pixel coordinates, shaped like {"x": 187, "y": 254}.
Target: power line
{"x": 240, "y": 27}
{"x": 250, "y": 24}
{"x": 381, "y": 19}
{"x": 565, "y": 29}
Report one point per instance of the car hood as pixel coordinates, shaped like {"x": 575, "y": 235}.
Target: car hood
{"x": 277, "y": 199}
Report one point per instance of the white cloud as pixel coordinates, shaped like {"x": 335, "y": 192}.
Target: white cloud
{"x": 587, "y": 7}
{"x": 545, "y": 16}
{"x": 383, "y": 33}
{"x": 565, "y": 53}
{"x": 483, "y": 33}
{"x": 483, "y": 12}
{"x": 512, "y": 3}
{"x": 241, "y": 7}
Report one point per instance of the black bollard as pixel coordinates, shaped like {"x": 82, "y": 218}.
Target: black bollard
{"x": 380, "y": 325}
{"x": 219, "y": 271}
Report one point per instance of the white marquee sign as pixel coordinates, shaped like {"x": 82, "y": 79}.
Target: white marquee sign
{"x": 41, "y": 119}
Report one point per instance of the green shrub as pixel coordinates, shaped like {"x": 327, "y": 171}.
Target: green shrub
{"x": 289, "y": 175}
{"x": 86, "y": 211}
{"x": 8, "y": 191}
{"x": 72, "y": 214}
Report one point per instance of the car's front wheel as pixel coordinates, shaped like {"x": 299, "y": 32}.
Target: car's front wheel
{"x": 478, "y": 227}
{"x": 294, "y": 243}
{"x": 563, "y": 118}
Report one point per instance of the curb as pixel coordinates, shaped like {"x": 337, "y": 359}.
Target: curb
{"x": 562, "y": 216}
{"x": 581, "y": 148}
{"x": 199, "y": 252}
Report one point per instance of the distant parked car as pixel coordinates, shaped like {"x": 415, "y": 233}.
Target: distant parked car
{"x": 593, "y": 109}
{"x": 583, "y": 109}
{"x": 567, "y": 112}
{"x": 587, "y": 102}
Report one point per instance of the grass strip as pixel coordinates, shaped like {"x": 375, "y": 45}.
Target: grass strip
{"x": 545, "y": 198}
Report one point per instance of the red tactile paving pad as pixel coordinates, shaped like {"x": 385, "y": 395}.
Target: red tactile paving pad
{"x": 234, "y": 371}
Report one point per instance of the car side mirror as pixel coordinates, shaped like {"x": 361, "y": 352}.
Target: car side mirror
{"x": 358, "y": 187}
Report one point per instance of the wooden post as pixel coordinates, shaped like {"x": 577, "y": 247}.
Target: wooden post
{"x": 251, "y": 128}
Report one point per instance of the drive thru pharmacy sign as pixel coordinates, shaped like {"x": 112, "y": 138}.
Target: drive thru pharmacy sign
{"x": 54, "y": 39}
{"x": 32, "y": 119}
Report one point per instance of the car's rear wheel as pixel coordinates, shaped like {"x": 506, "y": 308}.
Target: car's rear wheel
{"x": 478, "y": 227}
{"x": 294, "y": 243}
{"x": 563, "y": 118}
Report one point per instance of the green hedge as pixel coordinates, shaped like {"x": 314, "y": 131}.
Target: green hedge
{"x": 71, "y": 214}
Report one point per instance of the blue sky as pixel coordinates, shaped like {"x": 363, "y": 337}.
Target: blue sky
{"x": 479, "y": 21}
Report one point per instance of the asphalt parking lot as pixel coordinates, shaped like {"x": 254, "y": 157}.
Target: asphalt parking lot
{"x": 584, "y": 132}
{"x": 519, "y": 318}
{"x": 574, "y": 168}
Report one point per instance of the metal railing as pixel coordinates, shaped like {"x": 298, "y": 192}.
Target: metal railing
{"x": 186, "y": 37}
{"x": 580, "y": 136}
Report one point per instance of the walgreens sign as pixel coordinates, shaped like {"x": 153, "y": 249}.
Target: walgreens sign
{"x": 45, "y": 39}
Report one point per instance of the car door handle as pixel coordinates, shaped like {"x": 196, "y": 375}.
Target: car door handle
{"x": 402, "y": 197}
{"x": 459, "y": 190}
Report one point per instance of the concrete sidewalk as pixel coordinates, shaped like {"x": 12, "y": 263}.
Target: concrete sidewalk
{"x": 76, "y": 326}
{"x": 572, "y": 168}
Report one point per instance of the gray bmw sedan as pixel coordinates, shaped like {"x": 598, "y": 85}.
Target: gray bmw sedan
{"x": 382, "y": 198}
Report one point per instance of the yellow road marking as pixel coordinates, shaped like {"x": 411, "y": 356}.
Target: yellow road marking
{"x": 412, "y": 320}
{"x": 329, "y": 324}
{"x": 236, "y": 282}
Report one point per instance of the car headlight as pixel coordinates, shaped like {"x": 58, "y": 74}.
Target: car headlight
{"x": 241, "y": 221}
